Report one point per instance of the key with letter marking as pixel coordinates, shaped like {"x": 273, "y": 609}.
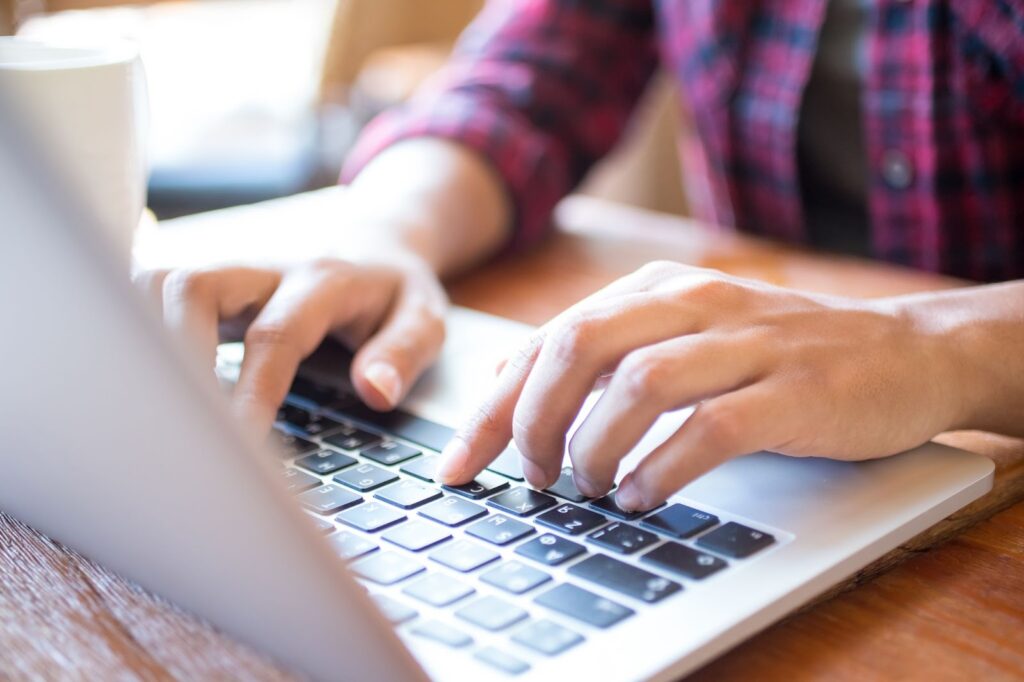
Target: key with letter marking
{"x": 325, "y": 462}
{"x": 622, "y": 538}
{"x": 365, "y": 477}
{"x": 568, "y": 518}
{"x": 522, "y": 501}
{"x": 483, "y": 485}
{"x": 452, "y": 511}
{"x": 499, "y": 529}
{"x": 550, "y": 550}
{"x": 329, "y": 499}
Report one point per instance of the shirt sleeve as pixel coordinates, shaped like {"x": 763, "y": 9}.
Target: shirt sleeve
{"x": 539, "y": 88}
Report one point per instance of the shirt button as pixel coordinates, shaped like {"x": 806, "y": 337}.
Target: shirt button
{"x": 897, "y": 169}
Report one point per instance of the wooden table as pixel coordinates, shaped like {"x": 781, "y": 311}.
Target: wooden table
{"x": 949, "y": 605}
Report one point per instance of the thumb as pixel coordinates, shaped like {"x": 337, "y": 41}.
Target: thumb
{"x": 408, "y": 342}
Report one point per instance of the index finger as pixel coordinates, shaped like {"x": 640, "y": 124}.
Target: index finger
{"x": 288, "y": 329}
{"x": 487, "y": 434}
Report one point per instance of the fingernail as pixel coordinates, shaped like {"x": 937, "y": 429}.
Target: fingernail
{"x": 385, "y": 379}
{"x": 628, "y": 497}
{"x": 453, "y": 461}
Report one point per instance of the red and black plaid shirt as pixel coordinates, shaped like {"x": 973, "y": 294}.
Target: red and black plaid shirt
{"x": 543, "y": 88}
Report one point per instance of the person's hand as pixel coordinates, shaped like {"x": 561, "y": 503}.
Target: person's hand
{"x": 393, "y": 314}
{"x": 767, "y": 368}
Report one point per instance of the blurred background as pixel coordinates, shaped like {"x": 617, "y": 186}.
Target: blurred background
{"x": 256, "y": 99}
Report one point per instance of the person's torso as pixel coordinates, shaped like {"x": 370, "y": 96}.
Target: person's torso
{"x": 936, "y": 171}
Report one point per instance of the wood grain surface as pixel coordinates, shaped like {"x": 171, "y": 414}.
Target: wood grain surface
{"x": 948, "y": 605}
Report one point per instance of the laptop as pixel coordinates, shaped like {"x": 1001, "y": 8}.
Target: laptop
{"x": 332, "y": 548}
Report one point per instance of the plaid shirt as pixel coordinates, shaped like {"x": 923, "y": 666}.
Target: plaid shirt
{"x": 543, "y": 88}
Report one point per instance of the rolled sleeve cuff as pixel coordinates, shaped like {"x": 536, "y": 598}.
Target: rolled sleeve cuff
{"x": 531, "y": 165}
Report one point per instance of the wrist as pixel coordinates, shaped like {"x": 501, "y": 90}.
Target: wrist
{"x": 381, "y": 236}
{"x": 946, "y": 340}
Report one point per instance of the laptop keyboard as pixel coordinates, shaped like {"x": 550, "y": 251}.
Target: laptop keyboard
{"x": 436, "y": 558}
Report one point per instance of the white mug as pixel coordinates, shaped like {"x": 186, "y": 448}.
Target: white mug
{"x": 87, "y": 109}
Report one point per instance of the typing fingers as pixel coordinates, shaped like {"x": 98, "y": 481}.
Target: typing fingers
{"x": 307, "y": 305}
{"x": 577, "y": 349}
{"x": 730, "y": 425}
{"x": 196, "y": 301}
{"x": 541, "y": 390}
{"x": 648, "y": 382}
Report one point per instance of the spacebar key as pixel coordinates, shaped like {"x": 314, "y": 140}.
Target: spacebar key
{"x": 585, "y": 606}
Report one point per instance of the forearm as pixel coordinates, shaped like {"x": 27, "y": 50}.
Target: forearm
{"x": 435, "y": 198}
{"x": 980, "y": 331}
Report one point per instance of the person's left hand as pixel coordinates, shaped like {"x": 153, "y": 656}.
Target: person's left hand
{"x": 767, "y": 368}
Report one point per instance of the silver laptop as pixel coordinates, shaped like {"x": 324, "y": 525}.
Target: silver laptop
{"x": 334, "y": 550}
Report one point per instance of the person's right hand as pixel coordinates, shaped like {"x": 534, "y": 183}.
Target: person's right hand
{"x": 391, "y": 315}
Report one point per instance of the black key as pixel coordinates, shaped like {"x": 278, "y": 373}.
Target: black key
{"x": 292, "y": 445}
{"x": 522, "y": 501}
{"x": 438, "y": 589}
{"x": 566, "y": 488}
{"x": 371, "y": 517}
{"x": 325, "y": 462}
{"x": 584, "y": 606}
{"x": 547, "y": 637}
{"x": 394, "y": 610}
{"x": 442, "y": 633}
{"x": 506, "y": 663}
{"x": 463, "y": 556}
{"x": 607, "y": 505}
{"x": 499, "y": 529}
{"x": 684, "y": 560}
{"x": 408, "y": 494}
{"x": 401, "y": 424}
{"x": 329, "y": 499}
{"x": 424, "y": 468}
{"x": 491, "y": 613}
{"x": 515, "y": 577}
{"x": 386, "y": 568}
{"x": 416, "y": 536}
{"x": 309, "y": 423}
{"x": 452, "y": 511}
{"x": 296, "y": 481}
{"x": 365, "y": 477}
{"x": 390, "y": 452}
{"x": 351, "y": 546}
{"x": 735, "y": 540}
{"x": 550, "y": 549}
{"x": 622, "y": 538}
{"x": 295, "y": 416}
{"x": 680, "y": 521}
{"x": 508, "y": 465}
{"x": 349, "y": 437}
{"x": 568, "y": 518}
{"x": 483, "y": 485}
{"x": 624, "y": 578}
